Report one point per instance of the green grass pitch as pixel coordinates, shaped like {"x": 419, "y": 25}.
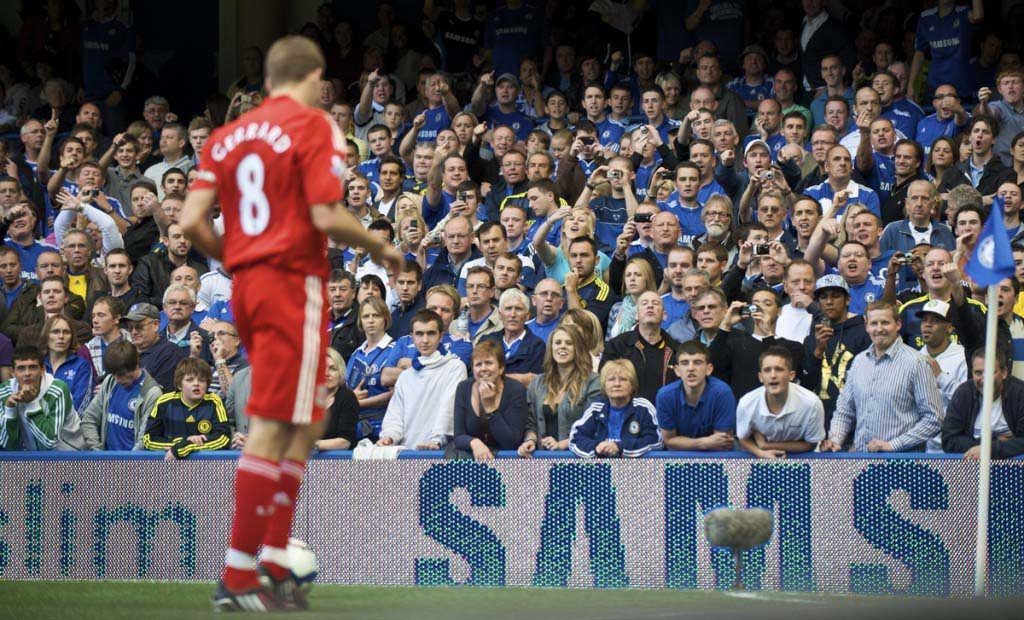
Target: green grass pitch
{"x": 108, "y": 600}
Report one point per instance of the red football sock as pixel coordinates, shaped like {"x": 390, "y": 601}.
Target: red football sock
{"x": 256, "y": 482}
{"x": 275, "y": 541}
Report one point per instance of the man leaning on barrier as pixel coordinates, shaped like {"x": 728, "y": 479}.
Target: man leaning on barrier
{"x": 961, "y": 428}
{"x": 38, "y": 412}
{"x": 780, "y": 417}
{"x": 116, "y": 418}
{"x": 891, "y": 393}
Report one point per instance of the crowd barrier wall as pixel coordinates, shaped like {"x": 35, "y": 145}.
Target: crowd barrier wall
{"x": 843, "y": 524}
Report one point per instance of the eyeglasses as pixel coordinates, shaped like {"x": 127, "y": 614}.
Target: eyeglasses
{"x": 769, "y": 209}
{"x": 718, "y": 215}
{"x": 137, "y": 326}
{"x": 222, "y": 333}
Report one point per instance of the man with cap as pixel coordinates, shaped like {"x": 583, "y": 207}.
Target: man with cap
{"x": 835, "y": 339}
{"x": 757, "y": 160}
{"x": 946, "y": 357}
{"x": 503, "y": 111}
{"x": 157, "y": 356}
{"x": 753, "y": 86}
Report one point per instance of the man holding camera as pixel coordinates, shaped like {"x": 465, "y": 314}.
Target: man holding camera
{"x": 734, "y": 352}
{"x": 615, "y": 209}
{"x": 836, "y": 338}
{"x": 584, "y": 157}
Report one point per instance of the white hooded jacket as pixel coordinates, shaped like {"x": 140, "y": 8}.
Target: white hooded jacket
{"x": 421, "y": 411}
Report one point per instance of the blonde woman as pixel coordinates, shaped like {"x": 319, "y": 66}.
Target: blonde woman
{"x": 590, "y": 329}
{"x": 145, "y": 157}
{"x": 342, "y": 407}
{"x": 637, "y": 278}
{"x": 408, "y": 203}
{"x": 558, "y": 397}
{"x": 619, "y": 424}
{"x": 578, "y": 222}
{"x": 463, "y": 125}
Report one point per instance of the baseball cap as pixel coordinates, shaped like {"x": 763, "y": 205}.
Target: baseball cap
{"x": 937, "y": 307}
{"x": 754, "y": 48}
{"x": 759, "y": 142}
{"x": 141, "y": 311}
{"x": 507, "y": 77}
{"x": 831, "y": 281}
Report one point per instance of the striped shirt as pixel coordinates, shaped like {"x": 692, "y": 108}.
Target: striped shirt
{"x": 893, "y": 397}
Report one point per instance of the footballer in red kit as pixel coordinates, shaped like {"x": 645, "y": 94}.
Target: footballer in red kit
{"x": 277, "y": 174}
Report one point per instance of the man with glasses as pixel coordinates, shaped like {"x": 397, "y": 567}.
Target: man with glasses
{"x": 823, "y": 138}
{"x": 458, "y": 250}
{"x": 717, "y": 219}
{"x": 157, "y": 356}
{"x": 181, "y": 330}
{"x": 548, "y": 304}
{"x": 950, "y": 118}
{"x": 227, "y": 358}
{"x": 708, "y": 310}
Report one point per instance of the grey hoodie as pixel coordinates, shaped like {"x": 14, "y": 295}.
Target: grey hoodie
{"x": 94, "y": 418}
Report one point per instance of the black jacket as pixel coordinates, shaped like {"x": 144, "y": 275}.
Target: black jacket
{"x": 617, "y": 268}
{"x": 958, "y": 426}
{"x": 346, "y": 335}
{"x": 826, "y": 376}
{"x": 734, "y": 355}
{"x": 829, "y": 38}
{"x": 653, "y": 363}
{"x": 152, "y": 275}
{"x": 140, "y": 239}
{"x": 992, "y": 176}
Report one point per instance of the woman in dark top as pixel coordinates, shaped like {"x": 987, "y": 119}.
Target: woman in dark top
{"x": 342, "y": 408}
{"x": 490, "y": 410}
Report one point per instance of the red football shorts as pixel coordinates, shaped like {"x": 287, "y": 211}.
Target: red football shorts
{"x": 281, "y": 317}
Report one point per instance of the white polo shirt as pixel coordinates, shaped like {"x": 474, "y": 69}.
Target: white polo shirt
{"x": 801, "y": 419}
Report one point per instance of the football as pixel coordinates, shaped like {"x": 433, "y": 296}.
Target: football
{"x": 302, "y": 561}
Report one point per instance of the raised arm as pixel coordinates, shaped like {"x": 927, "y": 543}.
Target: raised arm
{"x": 50, "y": 133}
{"x": 547, "y": 253}
{"x": 364, "y": 109}
{"x": 482, "y": 95}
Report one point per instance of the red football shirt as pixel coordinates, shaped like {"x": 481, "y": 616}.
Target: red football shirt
{"x": 268, "y": 168}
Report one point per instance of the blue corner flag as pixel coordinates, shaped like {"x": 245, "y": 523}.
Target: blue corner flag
{"x": 992, "y": 260}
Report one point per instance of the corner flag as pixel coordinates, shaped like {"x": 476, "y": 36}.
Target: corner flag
{"x": 992, "y": 260}
{"x": 991, "y": 263}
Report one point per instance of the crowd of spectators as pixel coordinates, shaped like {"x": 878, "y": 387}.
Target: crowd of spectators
{"x": 746, "y": 232}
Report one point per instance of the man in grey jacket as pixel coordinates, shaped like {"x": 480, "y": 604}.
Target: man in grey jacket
{"x": 116, "y": 418}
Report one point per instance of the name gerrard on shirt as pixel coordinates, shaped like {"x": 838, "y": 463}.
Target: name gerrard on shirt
{"x": 272, "y": 135}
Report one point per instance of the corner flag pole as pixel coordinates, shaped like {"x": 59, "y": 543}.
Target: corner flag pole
{"x": 985, "y": 460}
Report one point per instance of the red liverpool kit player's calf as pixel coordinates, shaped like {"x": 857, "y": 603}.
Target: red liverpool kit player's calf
{"x": 276, "y": 172}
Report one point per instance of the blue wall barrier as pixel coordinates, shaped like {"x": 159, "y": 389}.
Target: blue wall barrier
{"x": 900, "y": 524}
